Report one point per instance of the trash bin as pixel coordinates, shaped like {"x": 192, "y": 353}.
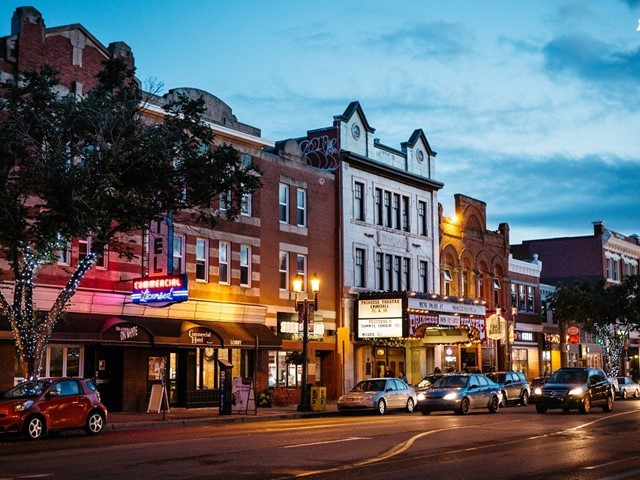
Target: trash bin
{"x": 318, "y": 399}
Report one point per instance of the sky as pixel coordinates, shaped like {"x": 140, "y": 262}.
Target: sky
{"x": 533, "y": 107}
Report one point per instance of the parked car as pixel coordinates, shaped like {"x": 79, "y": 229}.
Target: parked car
{"x": 379, "y": 395}
{"x": 460, "y": 392}
{"x": 50, "y": 405}
{"x": 576, "y": 388}
{"x": 625, "y": 387}
{"x": 514, "y": 385}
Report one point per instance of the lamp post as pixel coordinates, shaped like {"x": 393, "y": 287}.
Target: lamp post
{"x": 306, "y": 309}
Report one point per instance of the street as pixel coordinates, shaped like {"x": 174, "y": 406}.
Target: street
{"x": 514, "y": 443}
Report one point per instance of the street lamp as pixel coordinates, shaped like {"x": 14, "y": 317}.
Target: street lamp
{"x": 306, "y": 310}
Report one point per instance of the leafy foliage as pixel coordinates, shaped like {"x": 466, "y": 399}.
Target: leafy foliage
{"x": 610, "y": 311}
{"x": 100, "y": 166}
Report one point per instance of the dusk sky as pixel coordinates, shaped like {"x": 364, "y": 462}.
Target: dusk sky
{"x": 533, "y": 106}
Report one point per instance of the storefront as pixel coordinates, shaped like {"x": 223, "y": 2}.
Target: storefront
{"x": 416, "y": 333}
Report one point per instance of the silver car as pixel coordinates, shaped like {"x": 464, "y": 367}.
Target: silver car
{"x": 626, "y": 387}
{"x": 379, "y": 395}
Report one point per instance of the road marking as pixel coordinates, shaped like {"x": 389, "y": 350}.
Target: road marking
{"x": 602, "y": 465}
{"x": 349, "y": 439}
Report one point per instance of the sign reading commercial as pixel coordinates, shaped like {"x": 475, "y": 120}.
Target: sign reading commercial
{"x": 160, "y": 291}
{"x": 380, "y": 318}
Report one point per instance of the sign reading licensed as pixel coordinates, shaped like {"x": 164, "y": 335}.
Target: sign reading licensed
{"x": 380, "y": 318}
{"x": 163, "y": 290}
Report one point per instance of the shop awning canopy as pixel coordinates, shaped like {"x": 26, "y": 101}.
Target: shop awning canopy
{"x": 155, "y": 331}
{"x": 446, "y": 336}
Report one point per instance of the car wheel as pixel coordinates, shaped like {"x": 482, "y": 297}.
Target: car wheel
{"x": 586, "y": 405}
{"x": 464, "y": 407}
{"x": 541, "y": 408}
{"x": 95, "y": 423}
{"x": 382, "y": 407}
{"x": 624, "y": 394}
{"x": 636, "y": 394}
{"x": 425, "y": 412}
{"x": 524, "y": 398}
{"x": 410, "y": 405}
{"x": 608, "y": 407}
{"x": 494, "y": 404}
{"x": 504, "y": 399}
{"x": 35, "y": 428}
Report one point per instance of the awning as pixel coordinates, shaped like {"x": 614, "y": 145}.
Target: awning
{"x": 445, "y": 336}
{"x": 243, "y": 335}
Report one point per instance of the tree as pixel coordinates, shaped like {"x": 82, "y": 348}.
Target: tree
{"x": 610, "y": 312}
{"x": 97, "y": 167}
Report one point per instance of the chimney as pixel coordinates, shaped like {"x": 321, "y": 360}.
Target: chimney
{"x": 598, "y": 227}
{"x": 23, "y": 14}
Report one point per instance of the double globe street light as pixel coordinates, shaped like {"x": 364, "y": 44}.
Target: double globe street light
{"x": 306, "y": 309}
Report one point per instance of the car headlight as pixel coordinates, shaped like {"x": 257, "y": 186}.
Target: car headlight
{"x": 576, "y": 391}
{"x": 21, "y": 407}
{"x": 538, "y": 391}
{"x": 450, "y": 396}
{"x": 421, "y": 396}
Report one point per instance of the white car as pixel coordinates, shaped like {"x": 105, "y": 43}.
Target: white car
{"x": 626, "y": 387}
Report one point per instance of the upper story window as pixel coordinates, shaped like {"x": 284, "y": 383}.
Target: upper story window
{"x": 530, "y": 299}
{"x": 63, "y": 255}
{"x": 423, "y": 276}
{"x": 379, "y": 207}
{"x": 245, "y": 265}
{"x": 405, "y": 213}
{"x": 379, "y": 271}
{"x": 84, "y": 247}
{"x": 283, "y": 270}
{"x": 301, "y": 208}
{"x": 359, "y": 268}
{"x": 202, "y": 260}
{"x": 178, "y": 254}
{"x": 283, "y": 202}
{"x": 396, "y": 211}
{"x": 358, "y": 201}
{"x": 225, "y": 200}
{"x": 245, "y": 205}
{"x": 301, "y": 268}
{"x": 224, "y": 254}
{"x": 388, "y": 209}
{"x": 422, "y": 218}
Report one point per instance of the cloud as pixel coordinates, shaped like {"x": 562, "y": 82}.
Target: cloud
{"x": 591, "y": 60}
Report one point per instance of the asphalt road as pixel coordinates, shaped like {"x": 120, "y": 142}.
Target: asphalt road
{"x": 516, "y": 443}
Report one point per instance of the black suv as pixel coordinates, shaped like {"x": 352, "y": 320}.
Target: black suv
{"x": 576, "y": 388}
{"x": 514, "y": 385}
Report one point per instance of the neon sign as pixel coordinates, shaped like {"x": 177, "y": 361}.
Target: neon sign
{"x": 161, "y": 290}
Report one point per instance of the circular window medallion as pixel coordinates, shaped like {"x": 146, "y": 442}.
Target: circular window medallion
{"x": 420, "y": 156}
{"x": 355, "y": 131}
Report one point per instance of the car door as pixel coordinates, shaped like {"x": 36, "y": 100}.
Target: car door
{"x": 599, "y": 387}
{"x": 71, "y": 405}
{"x": 475, "y": 392}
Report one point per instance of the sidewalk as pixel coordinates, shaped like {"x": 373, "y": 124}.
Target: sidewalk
{"x": 206, "y": 416}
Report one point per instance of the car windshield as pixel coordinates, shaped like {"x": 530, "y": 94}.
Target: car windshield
{"x": 564, "y": 376}
{"x": 370, "y": 386}
{"x": 427, "y": 381}
{"x": 451, "y": 381}
{"x": 28, "y": 389}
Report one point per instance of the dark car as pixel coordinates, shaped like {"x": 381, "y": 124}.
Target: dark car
{"x": 48, "y": 405}
{"x": 515, "y": 387}
{"x": 576, "y": 388}
{"x": 460, "y": 392}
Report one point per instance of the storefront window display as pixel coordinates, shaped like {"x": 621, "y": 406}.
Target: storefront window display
{"x": 64, "y": 361}
{"x": 520, "y": 360}
{"x": 281, "y": 373}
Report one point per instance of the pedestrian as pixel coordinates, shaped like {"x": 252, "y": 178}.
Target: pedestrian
{"x": 437, "y": 370}
{"x": 403, "y": 377}
{"x": 388, "y": 372}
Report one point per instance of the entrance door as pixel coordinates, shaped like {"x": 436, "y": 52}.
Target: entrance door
{"x": 109, "y": 375}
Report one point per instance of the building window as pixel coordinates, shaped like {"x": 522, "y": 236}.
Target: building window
{"x": 301, "y": 269}
{"x": 446, "y": 282}
{"x": 64, "y": 361}
{"x": 359, "y": 270}
{"x": 379, "y": 207}
{"x": 202, "y": 260}
{"x": 522, "y": 301}
{"x": 379, "y": 271}
{"x": 63, "y": 256}
{"x": 405, "y": 214}
{"x": 178, "y": 254}
{"x": 301, "y": 208}
{"x": 423, "y": 276}
{"x": 225, "y": 200}
{"x": 514, "y": 295}
{"x": 245, "y": 265}
{"x": 396, "y": 211}
{"x": 530, "y": 302}
{"x": 283, "y": 200}
{"x": 283, "y": 270}
{"x": 422, "y": 218}
{"x": 358, "y": 201}
{"x": 388, "y": 210}
{"x": 406, "y": 273}
{"x": 397, "y": 270}
{"x": 223, "y": 262}
{"x": 388, "y": 268}
{"x": 245, "y": 205}
{"x": 464, "y": 283}
{"x": 84, "y": 247}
